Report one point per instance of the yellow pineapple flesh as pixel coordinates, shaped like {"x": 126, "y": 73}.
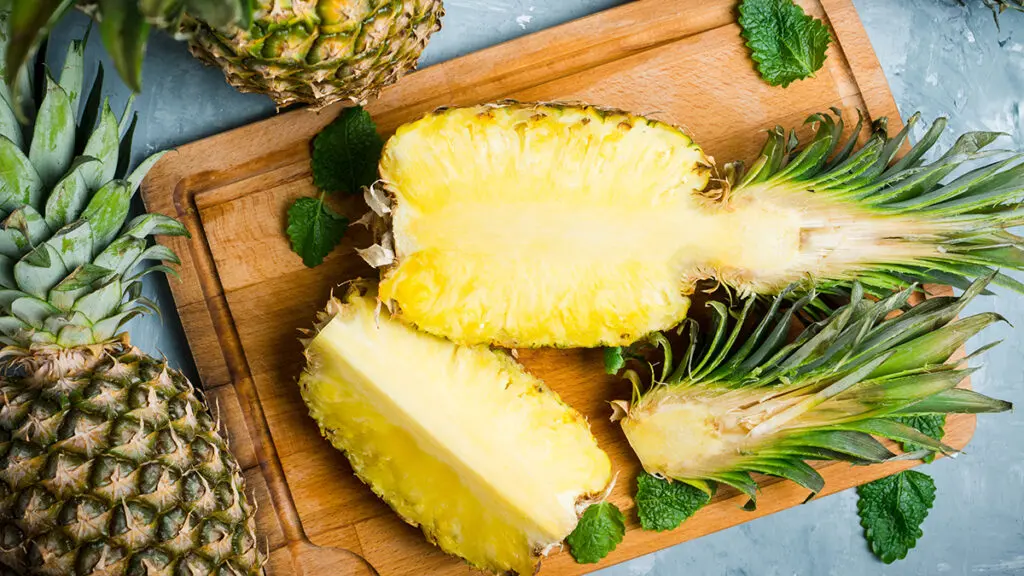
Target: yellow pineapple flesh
{"x": 460, "y": 441}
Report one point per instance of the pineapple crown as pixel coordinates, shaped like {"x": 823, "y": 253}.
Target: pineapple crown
{"x": 827, "y": 394}
{"x": 971, "y": 213}
{"x": 124, "y": 27}
{"x": 69, "y": 256}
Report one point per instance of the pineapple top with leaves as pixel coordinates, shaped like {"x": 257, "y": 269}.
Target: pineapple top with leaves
{"x": 68, "y": 259}
{"x": 110, "y": 461}
{"x": 745, "y": 399}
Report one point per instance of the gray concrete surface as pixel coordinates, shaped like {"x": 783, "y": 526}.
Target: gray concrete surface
{"x": 940, "y": 58}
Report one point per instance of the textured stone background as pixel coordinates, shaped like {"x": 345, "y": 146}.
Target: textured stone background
{"x": 940, "y": 58}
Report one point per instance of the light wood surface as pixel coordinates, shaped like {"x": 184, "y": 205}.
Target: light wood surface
{"x": 244, "y": 295}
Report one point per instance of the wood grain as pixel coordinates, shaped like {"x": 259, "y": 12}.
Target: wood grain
{"x": 244, "y": 295}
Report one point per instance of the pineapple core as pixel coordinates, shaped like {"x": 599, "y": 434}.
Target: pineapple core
{"x": 460, "y": 441}
{"x": 684, "y": 434}
{"x": 546, "y": 225}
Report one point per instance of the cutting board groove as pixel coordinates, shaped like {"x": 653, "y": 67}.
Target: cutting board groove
{"x": 243, "y": 295}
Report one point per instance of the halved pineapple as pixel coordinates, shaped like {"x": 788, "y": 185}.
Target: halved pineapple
{"x": 549, "y": 225}
{"x": 460, "y": 441}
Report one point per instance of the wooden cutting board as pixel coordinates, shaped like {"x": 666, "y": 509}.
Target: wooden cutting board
{"x": 244, "y": 295}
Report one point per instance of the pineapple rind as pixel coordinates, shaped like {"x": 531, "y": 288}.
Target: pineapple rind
{"x": 104, "y": 452}
{"x": 460, "y": 441}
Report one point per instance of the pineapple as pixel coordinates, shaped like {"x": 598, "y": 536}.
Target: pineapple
{"x": 558, "y": 225}
{"x": 460, "y": 441}
{"x": 110, "y": 462}
{"x": 320, "y": 51}
{"x": 124, "y": 26}
{"x": 742, "y": 404}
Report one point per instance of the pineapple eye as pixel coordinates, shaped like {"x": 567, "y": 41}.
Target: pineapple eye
{"x": 288, "y": 46}
{"x": 149, "y": 561}
{"x": 334, "y": 48}
{"x": 343, "y": 16}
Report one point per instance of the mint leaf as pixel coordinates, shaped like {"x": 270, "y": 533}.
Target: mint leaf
{"x": 931, "y": 425}
{"x": 598, "y": 533}
{"x": 663, "y": 505}
{"x": 787, "y": 44}
{"x": 892, "y": 510}
{"x": 614, "y": 360}
{"x": 346, "y": 153}
{"x": 314, "y": 229}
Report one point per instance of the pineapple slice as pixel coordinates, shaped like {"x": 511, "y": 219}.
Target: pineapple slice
{"x": 549, "y": 225}
{"x": 460, "y": 441}
{"x": 763, "y": 405}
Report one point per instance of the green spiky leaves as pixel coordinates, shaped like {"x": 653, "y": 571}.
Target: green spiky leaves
{"x": 71, "y": 259}
{"x": 951, "y": 231}
{"x": 124, "y": 27}
{"x": 748, "y": 399}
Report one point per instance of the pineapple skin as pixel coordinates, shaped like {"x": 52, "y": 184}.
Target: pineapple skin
{"x": 320, "y": 51}
{"x": 110, "y": 463}
{"x": 459, "y": 441}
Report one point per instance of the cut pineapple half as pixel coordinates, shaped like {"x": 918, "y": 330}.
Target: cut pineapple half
{"x": 732, "y": 406}
{"x": 550, "y": 225}
{"x": 460, "y": 441}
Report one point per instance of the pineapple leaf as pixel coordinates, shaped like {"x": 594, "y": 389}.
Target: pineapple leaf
{"x": 662, "y": 505}
{"x": 314, "y": 229}
{"x": 53, "y": 141}
{"x": 106, "y": 212}
{"x": 72, "y": 75}
{"x": 892, "y": 510}
{"x": 599, "y": 531}
{"x": 67, "y": 199}
{"x": 787, "y": 44}
{"x": 956, "y": 401}
{"x": 29, "y": 24}
{"x": 103, "y": 146}
{"x": 346, "y": 153}
{"x": 124, "y": 31}
{"x": 19, "y": 180}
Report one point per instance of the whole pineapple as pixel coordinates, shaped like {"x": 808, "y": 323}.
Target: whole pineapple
{"x": 110, "y": 463}
{"x": 320, "y": 51}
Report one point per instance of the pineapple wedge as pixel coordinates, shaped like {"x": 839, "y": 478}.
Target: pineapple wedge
{"x": 558, "y": 225}
{"x": 460, "y": 441}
